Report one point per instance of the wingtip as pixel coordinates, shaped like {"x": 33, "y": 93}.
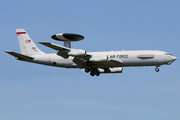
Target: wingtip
{"x": 7, "y": 51}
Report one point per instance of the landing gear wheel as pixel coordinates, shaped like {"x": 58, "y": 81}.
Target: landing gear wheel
{"x": 157, "y": 69}
{"x": 92, "y": 73}
{"x": 87, "y": 70}
{"x": 97, "y": 73}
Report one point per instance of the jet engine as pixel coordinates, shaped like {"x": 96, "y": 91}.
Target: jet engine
{"x": 77, "y": 53}
{"x": 99, "y": 59}
{"x": 111, "y": 70}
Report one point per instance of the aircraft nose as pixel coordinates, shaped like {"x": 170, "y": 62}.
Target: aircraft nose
{"x": 173, "y": 58}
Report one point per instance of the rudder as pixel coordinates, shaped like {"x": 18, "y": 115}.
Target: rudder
{"x": 27, "y": 46}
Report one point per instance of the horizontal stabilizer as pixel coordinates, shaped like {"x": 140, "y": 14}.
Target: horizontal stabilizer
{"x": 19, "y": 56}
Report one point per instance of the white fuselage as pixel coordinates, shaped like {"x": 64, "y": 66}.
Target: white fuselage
{"x": 93, "y": 62}
{"x": 128, "y": 58}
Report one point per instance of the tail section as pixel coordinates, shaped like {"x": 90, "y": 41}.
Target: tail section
{"x": 27, "y": 46}
{"x": 18, "y": 56}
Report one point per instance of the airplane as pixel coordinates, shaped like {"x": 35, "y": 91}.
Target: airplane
{"x": 94, "y": 62}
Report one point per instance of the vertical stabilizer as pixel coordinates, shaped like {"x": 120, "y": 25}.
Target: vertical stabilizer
{"x": 27, "y": 46}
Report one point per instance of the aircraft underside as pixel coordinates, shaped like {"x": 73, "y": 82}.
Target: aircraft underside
{"x": 96, "y": 68}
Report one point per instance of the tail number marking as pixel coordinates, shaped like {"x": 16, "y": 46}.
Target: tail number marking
{"x": 34, "y": 48}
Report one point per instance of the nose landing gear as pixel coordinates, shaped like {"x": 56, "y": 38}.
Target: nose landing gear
{"x": 157, "y": 69}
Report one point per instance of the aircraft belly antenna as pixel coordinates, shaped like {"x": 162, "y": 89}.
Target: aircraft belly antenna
{"x": 67, "y": 38}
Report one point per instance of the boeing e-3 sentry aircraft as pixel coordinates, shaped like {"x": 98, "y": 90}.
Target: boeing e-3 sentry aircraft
{"x": 93, "y": 62}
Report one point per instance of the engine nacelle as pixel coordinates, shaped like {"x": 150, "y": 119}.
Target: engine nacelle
{"x": 111, "y": 70}
{"x": 77, "y": 53}
{"x": 99, "y": 59}
{"x": 67, "y": 37}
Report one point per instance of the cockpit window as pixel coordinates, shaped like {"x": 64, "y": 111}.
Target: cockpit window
{"x": 167, "y": 53}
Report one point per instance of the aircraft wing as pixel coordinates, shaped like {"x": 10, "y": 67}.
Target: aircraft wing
{"x": 19, "y": 56}
{"x": 54, "y": 46}
{"x": 114, "y": 60}
{"x": 81, "y": 56}
{"x": 65, "y": 52}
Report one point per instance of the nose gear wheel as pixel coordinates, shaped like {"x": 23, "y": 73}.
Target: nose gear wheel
{"x": 157, "y": 69}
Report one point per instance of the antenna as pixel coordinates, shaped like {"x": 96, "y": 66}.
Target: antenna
{"x": 67, "y": 38}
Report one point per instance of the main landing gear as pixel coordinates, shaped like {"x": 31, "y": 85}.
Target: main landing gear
{"x": 92, "y": 71}
{"x": 157, "y": 69}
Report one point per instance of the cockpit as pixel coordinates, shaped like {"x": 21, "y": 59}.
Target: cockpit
{"x": 169, "y": 58}
{"x": 167, "y": 54}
